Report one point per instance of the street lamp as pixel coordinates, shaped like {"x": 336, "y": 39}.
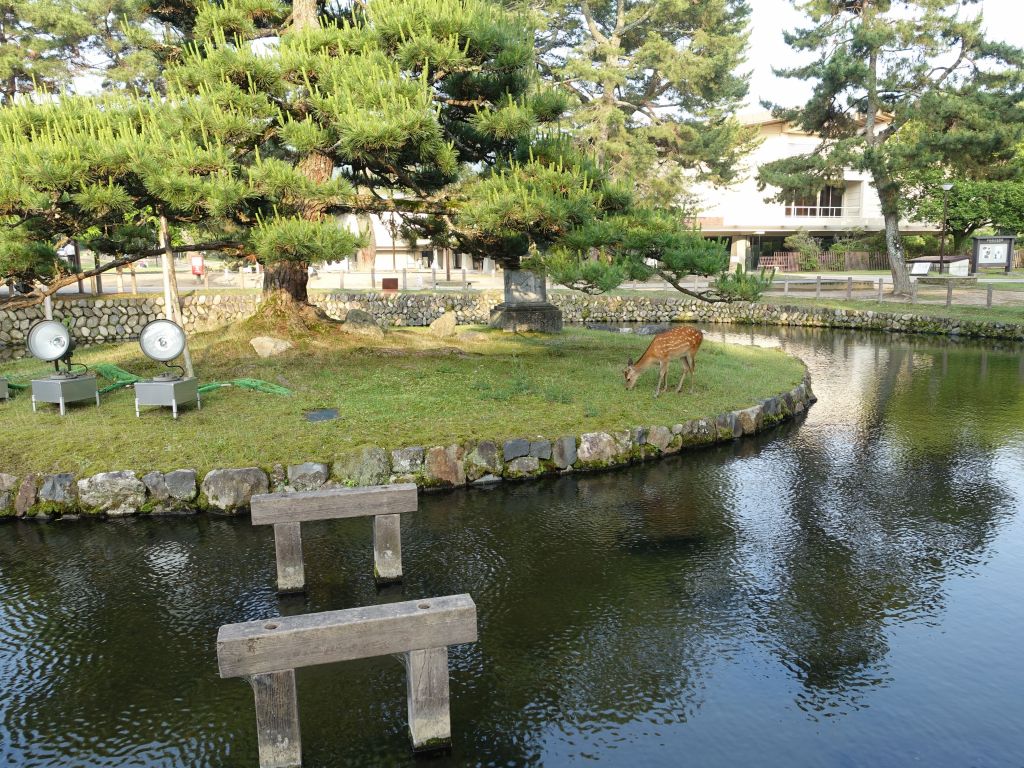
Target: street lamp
{"x": 942, "y": 238}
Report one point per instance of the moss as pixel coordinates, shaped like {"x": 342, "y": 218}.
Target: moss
{"x": 47, "y": 509}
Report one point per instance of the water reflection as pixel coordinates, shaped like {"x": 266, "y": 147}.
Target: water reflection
{"x": 843, "y": 589}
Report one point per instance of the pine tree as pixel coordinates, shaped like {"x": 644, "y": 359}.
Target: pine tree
{"x": 897, "y": 87}
{"x": 656, "y": 83}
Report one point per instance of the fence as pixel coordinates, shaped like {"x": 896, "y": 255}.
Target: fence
{"x": 826, "y": 261}
{"x": 878, "y": 289}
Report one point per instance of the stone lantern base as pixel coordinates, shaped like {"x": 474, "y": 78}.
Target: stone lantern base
{"x": 526, "y": 306}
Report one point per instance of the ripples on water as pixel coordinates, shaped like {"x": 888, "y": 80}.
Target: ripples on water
{"x": 844, "y": 590}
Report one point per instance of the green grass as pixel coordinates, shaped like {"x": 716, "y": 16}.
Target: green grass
{"x": 995, "y": 314}
{"x": 411, "y": 389}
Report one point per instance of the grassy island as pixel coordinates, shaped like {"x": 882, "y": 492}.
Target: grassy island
{"x": 409, "y": 389}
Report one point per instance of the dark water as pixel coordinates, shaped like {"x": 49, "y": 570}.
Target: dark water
{"x": 843, "y": 591}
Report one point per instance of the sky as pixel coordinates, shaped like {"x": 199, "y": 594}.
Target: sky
{"x": 1004, "y": 20}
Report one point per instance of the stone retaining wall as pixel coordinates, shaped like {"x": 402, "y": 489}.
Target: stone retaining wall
{"x": 114, "y": 319}
{"x": 122, "y": 319}
{"x": 115, "y": 494}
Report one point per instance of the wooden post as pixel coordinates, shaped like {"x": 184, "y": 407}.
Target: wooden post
{"x": 48, "y": 308}
{"x": 849, "y": 288}
{"x": 387, "y": 549}
{"x": 285, "y": 511}
{"x": 341, "y": 280}
{"x": 433, "y": 277}
{"x": 913, "y": 292}
{"x": 988, "y": 296}
{"x": 949, "y": 293}
{"x": 135, "y": 279}
{"x": 206, "y": 278}
{"x": 99, "y": 277}
{"x": 405, "y": 280}
{"x": 291, "y": 573}
{"x": 817, "y": 287}
{"x": 464, "y": 285}
{"x": 427, "y": 698}
{"x": 241, "y": 277}
{"x": 419, "y": 631}
{"x": 277, "y": 719}
{"x": 373, "y": 277}
{"x": 879, "y": 289}
{"x": 120, "y": 279}
{"x": 785, "y": 286}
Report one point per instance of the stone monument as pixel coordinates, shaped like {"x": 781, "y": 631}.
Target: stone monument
{"x": 526, "y": 306}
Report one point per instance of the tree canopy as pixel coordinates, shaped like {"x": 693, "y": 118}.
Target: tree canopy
{"x": 898, "y": 86}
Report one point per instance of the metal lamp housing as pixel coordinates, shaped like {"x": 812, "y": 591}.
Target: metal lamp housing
{"x": 50, "y": 341}
{"x": 162, "y": 340}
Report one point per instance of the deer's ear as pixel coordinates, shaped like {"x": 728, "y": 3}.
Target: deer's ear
{"x": 629, "y": 362}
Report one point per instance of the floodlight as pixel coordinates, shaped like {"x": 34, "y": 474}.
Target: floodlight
{"x": 51, "y": 341}
{"x": 163, "y": 340}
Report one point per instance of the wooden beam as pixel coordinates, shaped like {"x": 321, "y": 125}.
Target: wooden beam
{"x": 277, "y": 719}
{"x": 333, "y": 503}
{"x": 291, "y": 573}
{"x": 288, "y": 642}
{"x": 387, "y": 549}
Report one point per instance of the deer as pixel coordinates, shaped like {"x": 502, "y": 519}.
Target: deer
{"x": 681, "y": 343}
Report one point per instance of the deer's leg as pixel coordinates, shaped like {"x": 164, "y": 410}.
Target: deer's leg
{"x": 662, "y": 375}
{"x": 686, "y": 368}
{"x": 693, "y": 367}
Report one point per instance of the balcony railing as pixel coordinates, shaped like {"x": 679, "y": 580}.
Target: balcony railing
{"x": 822, "y": 211}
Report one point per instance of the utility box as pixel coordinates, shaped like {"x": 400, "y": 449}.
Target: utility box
{"x": 169, "y": 393}
{"x": 5, "y": 392}
{"x": 61, "y": 390}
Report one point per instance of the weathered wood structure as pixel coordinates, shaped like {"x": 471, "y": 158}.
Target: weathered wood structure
{"x": 287, "y": 511}
{"x": 268, "y": 652}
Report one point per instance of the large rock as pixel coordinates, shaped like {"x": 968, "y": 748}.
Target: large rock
{"x": 524, "y": 466}
{"x": 540, "y": 449}
{"x": 515, "y": 448}
{"x": 444, "y": 466}
{"x": 659, "y": 437}
{"x": 368, "y": 466}
{"x": 171, "y": 493}
{"x": 57, "y": 493}
{"x": 361, "y": 323}
{"x": 564, "y": 452}
{"x": 596, "y": 448}
{"x": 231, "y": 490}
{"x": 8, "y": 486}
{"x": 112, "y": 493}
{"x": 268, "y": 346}
{"x": 308, "y": 476}
{"x": 407, "y": 463}
{"x": 26, "y": 496}
{"x": 482, "y": 461}
{"x": 444, "y": 326}
{"x": 750, "y": 419}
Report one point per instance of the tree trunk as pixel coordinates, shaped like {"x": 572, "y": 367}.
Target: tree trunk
{"x": 288, "y": 277}
{"x": 894, "y": 249}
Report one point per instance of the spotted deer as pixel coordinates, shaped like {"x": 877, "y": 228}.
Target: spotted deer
{"x": 680, "y": 343}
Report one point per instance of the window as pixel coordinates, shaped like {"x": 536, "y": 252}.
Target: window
{"x": 426, "y": 257}
{"x": 828, "y": 202}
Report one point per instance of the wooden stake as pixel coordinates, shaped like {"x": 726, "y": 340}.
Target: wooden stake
{"x": 291, "y": 573}
{"x": 988, "y": 297}
{"x": 426, "y": 673}
{"x": 387, "y": 549}
{"x": 949, "y": 294}
{"x": 277, "y": 719}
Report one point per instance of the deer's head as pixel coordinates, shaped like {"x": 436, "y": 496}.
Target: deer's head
{"x": 631, "y": 374}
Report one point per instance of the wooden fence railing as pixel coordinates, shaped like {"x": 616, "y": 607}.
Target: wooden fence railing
{"x": 825, "y": 261}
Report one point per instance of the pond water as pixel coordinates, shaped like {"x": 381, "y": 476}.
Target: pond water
{"x": 844, "y": 590}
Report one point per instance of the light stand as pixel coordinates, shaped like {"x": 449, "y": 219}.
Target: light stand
{"x": 51, "y": 341}
{"x": 163, "y": 341}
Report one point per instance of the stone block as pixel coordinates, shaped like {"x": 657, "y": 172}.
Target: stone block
{"x": 230, "y": 490}
{"x": 58, "y": 492}
{"x": 482, "y": 460}
{"x": 597, "y": 448}
{"x": 659, "y": 437}
{"x": 564, "y": 451}
{"x": 369, "y": 466}
{"x": 112, "y": 493}
{"x": 8, "y": 490}
{"x": 540, "y": 449}
{"x": 444, "y": 466}
{"x": 407, "y": 462}
{"x": 524, "y": 466}
{"x": 26, "y": 496}
{"x": 308, "y": 476}
{"x": 515, "y": 448}
{"x": 268, "y": 346}
{"x": 444, "y": 326}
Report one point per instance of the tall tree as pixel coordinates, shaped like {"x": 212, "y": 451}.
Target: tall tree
{"x": 657, "y": 83}
{"x": 897, "y": 86}
{"x": 42, "y": 45}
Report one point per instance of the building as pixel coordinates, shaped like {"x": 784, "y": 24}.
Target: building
{"x": 754, "y": 227}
